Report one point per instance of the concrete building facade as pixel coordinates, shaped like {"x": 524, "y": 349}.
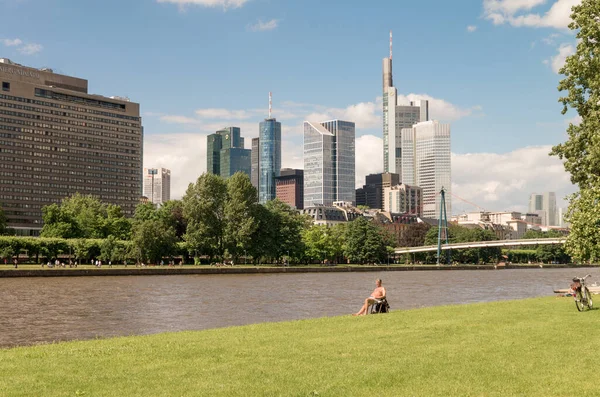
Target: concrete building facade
{"x": 56, "y": 139}
{"x": 403, "y": 199}
{"x": 157, "y": 185}
{"x": 329, "y": 162}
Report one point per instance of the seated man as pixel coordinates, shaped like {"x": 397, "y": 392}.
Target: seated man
{"x": 378, "y": 293}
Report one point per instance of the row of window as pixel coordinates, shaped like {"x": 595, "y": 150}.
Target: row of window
{"x": 56, "y": 193}
{"x": 40, "y": 194}
{"x": 67, "y": 121}
{"x": 68, "y": 107}
{"x": 69, "y": 115}
{"x": 55, "y": 127}
{"x": 58, "y": 96}
{"x": 122, "y": 172}
{"x": 54, "y": 170}
{"x": 64, "y": 179}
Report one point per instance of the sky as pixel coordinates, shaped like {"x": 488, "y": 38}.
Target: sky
{"x": 489, "y": 68}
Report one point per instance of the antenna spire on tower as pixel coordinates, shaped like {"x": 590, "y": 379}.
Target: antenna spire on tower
{"x": 270, "y": 104}
{"x": 390, "y": 45}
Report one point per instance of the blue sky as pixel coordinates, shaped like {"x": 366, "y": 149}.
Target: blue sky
{"x": 489, "y": 66}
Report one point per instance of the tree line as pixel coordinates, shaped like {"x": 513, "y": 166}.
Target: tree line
{"x": 220, "y": 219}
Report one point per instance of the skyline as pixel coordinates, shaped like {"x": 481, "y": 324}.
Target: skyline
{"x": 484, "y": 73}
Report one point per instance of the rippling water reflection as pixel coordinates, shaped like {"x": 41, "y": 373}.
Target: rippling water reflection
{"x": 34, "y": 310}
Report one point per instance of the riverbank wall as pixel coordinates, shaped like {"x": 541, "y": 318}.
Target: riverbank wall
{"x": 165, "y": 271}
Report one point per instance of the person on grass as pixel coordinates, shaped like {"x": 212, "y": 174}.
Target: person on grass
{"x": 378, "y": 293}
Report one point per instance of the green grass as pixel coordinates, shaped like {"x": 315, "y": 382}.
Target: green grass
{"x": 534, "y": 347}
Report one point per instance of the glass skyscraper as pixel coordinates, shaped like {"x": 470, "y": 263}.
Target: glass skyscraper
{"x": 226, "y": 154}
{"x": 329, "y": 162}
{"x": 269, "y": 159}
{"x": 426, "y": 163}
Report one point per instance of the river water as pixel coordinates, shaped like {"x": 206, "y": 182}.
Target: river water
{"x": 37, "y": 310}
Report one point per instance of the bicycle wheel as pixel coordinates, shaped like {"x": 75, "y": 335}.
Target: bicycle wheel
{"x": 579, "y": 300}
{"x": 590, "y": 303}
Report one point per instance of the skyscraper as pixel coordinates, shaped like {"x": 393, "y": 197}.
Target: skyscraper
{"x": 157, "y": 185}
{"x": 226, "y": 154}
{"x": 535, "y": 203}
{"x": 290, "y": 187}
{"x": 426, "y": 163}
{"x": 255, "y": 158}
{"x": 371, "y": 194}
{"x": 549, "y": 205}
{"x": 57, "y": 140}
{"x": 329, "y": 162}
{"x": 396, "y": 117}
{"x": 269, "y": 159}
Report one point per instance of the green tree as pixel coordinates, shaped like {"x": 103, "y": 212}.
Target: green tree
{"x": 107, "y": 248}
{"x": 171, "y": 213}
{"x": 204, "y": 209}
{"x": 414, "y": 235}
{"x": 82, "y": 216}
{"x": 287, "y": 225}
{"x": 581, "y": 152}
{"x": 366, "y": 242}
{"x": 151, "y": 241}
{"x": 239, "y": 212}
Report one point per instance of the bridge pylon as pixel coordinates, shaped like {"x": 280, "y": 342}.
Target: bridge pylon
{"x": 442, "y": 228}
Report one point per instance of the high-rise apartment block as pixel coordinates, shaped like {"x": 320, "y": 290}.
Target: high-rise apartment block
{"x": 403, "y": 199}
{"x": 329, "y": 161}
{"x": 371, "y": 194}
{"x": 290, "y": 187}
{"x": 157, "y": 185}
{"x": 226, "y": 154}
{"x": 56, "y": 140}
{"x": 255, "y": 162}
{"x": 426, "y": 163}
{"x": 396, "y": 117}
{"x": 269, "y": 159}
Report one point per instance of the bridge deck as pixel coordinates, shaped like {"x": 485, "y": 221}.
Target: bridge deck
{"x": 482, "y": 244}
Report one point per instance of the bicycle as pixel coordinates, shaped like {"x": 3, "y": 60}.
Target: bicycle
{"x": 581, "y": 293}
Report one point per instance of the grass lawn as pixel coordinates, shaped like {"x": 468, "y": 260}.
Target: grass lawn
{"x": 533, "y": 347}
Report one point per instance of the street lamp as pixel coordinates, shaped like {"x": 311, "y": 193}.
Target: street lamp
{"x": 288, "y": 257}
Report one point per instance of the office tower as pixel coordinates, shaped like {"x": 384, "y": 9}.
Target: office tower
{"x": 403, "y": 199}
{"x": 396, "y": 117}
{"x": 290, "y": 187}
{"x": 56, "y": 140}
{"x": 157, "y": 185}
{"x": 535, "y": 202}
{"x": 426, "y": 163}
{"x": 269, "y": 159}
{"x": 371, "y": 194}
{"x": 329, "y": 158}
{"x": 226, "y": 154}
{"x": 549, "y": 205}
{"x": 255, "y": 158}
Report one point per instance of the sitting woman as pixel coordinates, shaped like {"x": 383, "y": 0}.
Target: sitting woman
{"x": 378, "y": 293}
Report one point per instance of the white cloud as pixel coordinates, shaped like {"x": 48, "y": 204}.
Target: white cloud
{"x": 558, "y": 60}
{"x": 183, "y": 153}
{"x": 499, "y": 182}
{"x": 11, "y": 42}
{"x": 365, "y": 114}
{"x": 225, "y": 4}
{"x": 261, "y": 26}
{"x": 31, "y": 49}
{"x": 471, "y": 28}
{"x": 550, "y": 39}
{"x": 440, "y": 109}
{"x": 515, "y": 13}
{"x": 369, "y": 157}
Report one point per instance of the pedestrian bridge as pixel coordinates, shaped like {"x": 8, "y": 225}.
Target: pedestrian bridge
{"x": 482, "y": 244}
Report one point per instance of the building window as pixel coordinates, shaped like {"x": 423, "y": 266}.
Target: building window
{"x": 5, "y": 86}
